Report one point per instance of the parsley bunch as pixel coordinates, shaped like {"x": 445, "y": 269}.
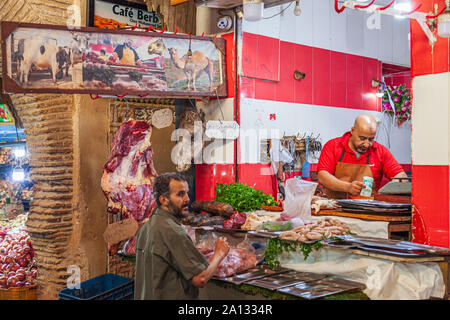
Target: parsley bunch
{"x": 276, "y": 246}
{"x": 242, "y": 197}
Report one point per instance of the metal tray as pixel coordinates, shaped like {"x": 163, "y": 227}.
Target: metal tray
{"x": 252, "y": 274}
{"x": 285, "y": 279}
{"x": 225, "y": 230}
{"x": 382, "y": 212}
{"x": 372, "y": 203}
{"x": 389, "y": 247}
{"x": 322, "y": 288}
{"x": 265, "y": 234}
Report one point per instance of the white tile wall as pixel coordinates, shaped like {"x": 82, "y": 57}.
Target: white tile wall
{"x": 321, "y": 24}
{"x": 371, "y": 41}
{"x": 338, "y": 35}
{"x": 430, "y": 121}
{"x": 355, "y": 32}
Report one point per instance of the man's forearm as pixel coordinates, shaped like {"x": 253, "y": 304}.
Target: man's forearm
{"x": 401, "y": 175}
{"x": 203, "y": 277}
{"x": 331, "y": 182}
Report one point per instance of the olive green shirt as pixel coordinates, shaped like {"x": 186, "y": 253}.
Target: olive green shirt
{"x": 166, "y": 260}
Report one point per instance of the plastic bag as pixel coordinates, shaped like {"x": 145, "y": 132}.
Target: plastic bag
{"x": 207, "y": 243}
{"x": 298, "y": 198}
{"x": 191, "y": 232}
{"x": 239, "y": 259}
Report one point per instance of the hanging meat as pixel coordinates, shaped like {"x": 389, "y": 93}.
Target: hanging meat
{"x": 129, "y": 172}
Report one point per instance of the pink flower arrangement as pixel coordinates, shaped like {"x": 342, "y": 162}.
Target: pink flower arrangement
{"x": 402, "y": 103}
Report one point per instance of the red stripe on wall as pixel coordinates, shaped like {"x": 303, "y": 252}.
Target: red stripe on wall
{"x": 331, "y": 78}
{"x": 430, "y": 196}
{"x": 207, "y": 176}
{"x": 230, "y": 56}
{"x": 260, "y": 57}
{"x": 256, "y": 175}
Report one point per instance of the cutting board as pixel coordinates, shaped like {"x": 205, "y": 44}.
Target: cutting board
{"x": 372, "y": 217}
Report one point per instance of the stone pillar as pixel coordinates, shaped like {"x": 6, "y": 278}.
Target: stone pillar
{"x": 430, "y": 71}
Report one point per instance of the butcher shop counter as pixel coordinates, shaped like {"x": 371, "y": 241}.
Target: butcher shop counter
{"x": 385, "y": 275}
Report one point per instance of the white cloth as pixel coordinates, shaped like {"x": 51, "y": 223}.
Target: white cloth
{"x": 375, "y": 229}
{"x": 384, "y": 279}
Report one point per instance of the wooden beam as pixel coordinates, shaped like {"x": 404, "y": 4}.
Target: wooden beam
{"x": 176, "y": 2}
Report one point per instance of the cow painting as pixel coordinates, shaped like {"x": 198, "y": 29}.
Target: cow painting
{"x": 32, "y": 53}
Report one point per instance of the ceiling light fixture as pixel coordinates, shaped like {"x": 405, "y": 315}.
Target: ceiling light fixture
{"x": 253, "y": 10}
{"x": 444, "y": 22}
{"x": 297, "y": 10}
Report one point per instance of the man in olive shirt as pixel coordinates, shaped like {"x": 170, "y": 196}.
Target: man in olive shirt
{"x": 168, "y": 265}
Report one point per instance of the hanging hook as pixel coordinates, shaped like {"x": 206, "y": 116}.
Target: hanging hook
{"x": 149, "y": 28}
{"x": 364, "y": 6}
{"x": 164, "y": 29}
{"x": 435, "y": 16}
{"x": 384, "y": 8}
{"x": 336, "y": 7}
{"x": 176, "y": 30}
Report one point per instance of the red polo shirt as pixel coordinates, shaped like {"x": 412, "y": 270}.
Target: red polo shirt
{"x": 381, "y": 160}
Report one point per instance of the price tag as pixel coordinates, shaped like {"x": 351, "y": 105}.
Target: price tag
{"x": 121, "y": 230}
{"x": 162, "y": 118}
{"x": 222, "y": 129}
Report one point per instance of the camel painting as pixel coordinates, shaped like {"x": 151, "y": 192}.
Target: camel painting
{"x": 192, "y": 63}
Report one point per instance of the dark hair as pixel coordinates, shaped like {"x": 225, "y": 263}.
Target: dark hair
{"x": 103, "y": 51}
{"x": 161, "y": 186}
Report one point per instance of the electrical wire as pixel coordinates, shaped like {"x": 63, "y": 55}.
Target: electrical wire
{"x": 126, "y": 112}
{"x": 280, "y": 11}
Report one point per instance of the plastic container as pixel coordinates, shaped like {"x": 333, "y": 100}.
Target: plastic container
{"x": 22, "y": 293}
{"x": 105, "y": 287}
{"x": 367, "y": 191}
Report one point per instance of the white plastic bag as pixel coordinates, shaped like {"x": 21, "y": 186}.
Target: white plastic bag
{"x": 298, "y": 198}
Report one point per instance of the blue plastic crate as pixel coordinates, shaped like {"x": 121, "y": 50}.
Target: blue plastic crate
{"x": 105, "y": 287}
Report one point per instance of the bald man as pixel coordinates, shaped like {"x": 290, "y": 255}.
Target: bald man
{"x": 344, "y": 161}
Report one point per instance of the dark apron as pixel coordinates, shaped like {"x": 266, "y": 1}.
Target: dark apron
{"x": 349, "y": 172}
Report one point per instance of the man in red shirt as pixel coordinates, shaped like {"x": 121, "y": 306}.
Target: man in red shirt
{"x": 344, "y": 161}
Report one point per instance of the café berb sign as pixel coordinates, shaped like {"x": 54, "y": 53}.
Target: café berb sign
{"x": 114, "y": 14}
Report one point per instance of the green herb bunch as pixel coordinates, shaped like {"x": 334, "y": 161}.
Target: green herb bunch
{"x": 276, "y": 246}
{"x": 242, "y": 197}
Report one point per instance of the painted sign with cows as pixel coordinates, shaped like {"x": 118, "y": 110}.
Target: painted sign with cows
{"x": 54, "y": 59}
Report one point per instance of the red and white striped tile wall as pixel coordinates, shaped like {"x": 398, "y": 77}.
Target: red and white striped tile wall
{"x": 430, "y": 70}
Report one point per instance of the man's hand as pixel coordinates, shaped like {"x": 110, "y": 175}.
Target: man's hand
{"x": 222, "y": 247}
{"x": 220, "y": 253}
{"x": 354, "y": 187}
